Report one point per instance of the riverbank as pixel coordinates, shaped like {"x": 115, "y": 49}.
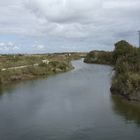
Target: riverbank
{"x": 126, "y": 62}
{"x": 15, "y": 68}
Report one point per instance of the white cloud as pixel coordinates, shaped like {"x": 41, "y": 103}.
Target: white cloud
{"x": 16, "y": 48}
{"x": 85, "y": 18}
{"x": 8, "y": 46}
{"x": 40, "y": 47}
{"x": 61, "y": 17}
{"x": 2, "y": 44}
{"x": 103, "y": 20}
{"x": 121, "y": 4}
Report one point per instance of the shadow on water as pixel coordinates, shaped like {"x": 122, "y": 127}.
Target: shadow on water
{"x": 129, "y": 110}
{"x": 6, "y": 89}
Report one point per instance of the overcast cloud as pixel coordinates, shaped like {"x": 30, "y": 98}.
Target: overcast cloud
{"x": 68, "y": 24}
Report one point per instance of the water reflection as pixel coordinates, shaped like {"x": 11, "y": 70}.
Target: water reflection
{"x": 129, "y": 110}
{"x": 10, "y": 88}
{"x": 6, "y": 89}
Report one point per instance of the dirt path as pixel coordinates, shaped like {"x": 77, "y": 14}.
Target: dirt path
{"x": 25, "y": 66}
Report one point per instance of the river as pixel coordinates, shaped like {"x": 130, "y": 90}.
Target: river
{"x": 75, "y": 105}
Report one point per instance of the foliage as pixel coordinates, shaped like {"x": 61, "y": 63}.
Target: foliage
{"x": 126, "y": 61}
{"x": 127, "y": 67}
{"x": 11, "y": 75}
{"x": 100, "y": 57}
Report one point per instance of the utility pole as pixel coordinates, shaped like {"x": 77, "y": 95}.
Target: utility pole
{"x": 139, "y": 39}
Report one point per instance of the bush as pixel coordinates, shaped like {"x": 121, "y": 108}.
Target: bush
{"x": 100, "y": 57}
{"x": 127, "y": 66}
{"x": 126, "y": 61}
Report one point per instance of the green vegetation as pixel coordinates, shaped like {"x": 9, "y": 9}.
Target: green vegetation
{"x": 126, "y": 61}
{"x": 99, "y": 57}
{"x": 22, "y": 67}
{"x": 30, "y": 72}
{"x": 126, "y": 81}
{"x": 7, "y": 61}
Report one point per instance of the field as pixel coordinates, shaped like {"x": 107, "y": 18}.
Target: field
{"x": 22, "y": 67}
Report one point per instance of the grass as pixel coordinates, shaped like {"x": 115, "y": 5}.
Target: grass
{"x": 31, "y": 72}
{"x": 58, "y": 62}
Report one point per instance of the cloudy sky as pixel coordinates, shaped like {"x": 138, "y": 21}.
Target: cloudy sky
{"x": 40, "y": 26}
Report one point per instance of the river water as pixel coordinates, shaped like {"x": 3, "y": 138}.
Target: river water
{"x": 76, "y": 105}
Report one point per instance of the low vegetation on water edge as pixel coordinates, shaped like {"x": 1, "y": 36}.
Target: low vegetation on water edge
{"x": 126, "y": 61}
{"x": 30, "y": 72}
{"x": 16, "y": 60}
{"x": 19, "y": 67}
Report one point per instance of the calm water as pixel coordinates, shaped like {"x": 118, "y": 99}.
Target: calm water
{"x": 76, "y": 105}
